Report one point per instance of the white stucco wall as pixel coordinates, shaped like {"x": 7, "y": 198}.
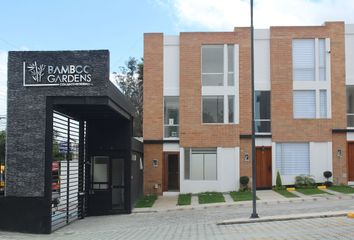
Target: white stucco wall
{"x": 171, "y": 66}
{"x": 349, "y": 54}
{"x": 228, "y": 172}
{"x": 262, "y": 59}
{"x": 320, "y": 161}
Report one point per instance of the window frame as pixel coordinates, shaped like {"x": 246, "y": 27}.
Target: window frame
{"x": 317, "y": 84}
{"x": 188, "y": 167}
{"x": 263, "y": 119}
{"x": 226, "y": 90}
{"x": 163, "y": 119}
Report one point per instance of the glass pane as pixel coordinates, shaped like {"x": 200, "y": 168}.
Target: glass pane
{"x": 210, "y": 168}
{"x": 293, "y": 158}
{"x": 100, "y": 171}
{"x": 171, "y": 131}
{"x": 262, "y": 126}
{"x": 304, "y": 105}
{"x": 186, "y": 163}
{"x": 322, "y": 59}
{"x": 171, "y": 111}
{"x": 323, "y": 103}
{"x": 215, "y": 79}
{"x": 262, "y": 104}
{"x": 350, "y": 99}
{"x": 230, "y": 79}
{"x": 304, "y": 59}
{"x": 213, "y": 109}
{"x": 350, "y": 120}
{"x": 196, "y": 170}
{"x": 231, "y": 103}
{"x": 230, "y": 58}
{"x": 213, "y": 59}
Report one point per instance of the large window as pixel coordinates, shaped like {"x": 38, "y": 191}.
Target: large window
{"x": 307, "y": 65}
{"x": 311, "y": 96}
{"x": 200, "y": 164}
{"x": 171, "y": 117}
{"x": 293, "y": 158}
{"x": 350, "y": 106}
{"x": 219, "y": 77}
{"x": 262, "y": 111}
{"x": 213, "y": 109}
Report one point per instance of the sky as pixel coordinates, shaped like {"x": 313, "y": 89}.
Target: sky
{"x": 119, "y": 25}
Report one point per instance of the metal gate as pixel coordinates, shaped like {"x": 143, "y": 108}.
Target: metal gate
{"x": 68, "y": 173}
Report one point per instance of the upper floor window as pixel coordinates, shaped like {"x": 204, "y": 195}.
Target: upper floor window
{"x": 262, "y": 111}
{"x": 350, "y": 106}
{"x": 309, "y": 59}
{"x": 218, "y": 65}
{"x": 311, "y": 78}
{"x": 171, "y": 117}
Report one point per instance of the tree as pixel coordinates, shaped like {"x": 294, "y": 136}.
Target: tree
{"x": 130, "y": 82}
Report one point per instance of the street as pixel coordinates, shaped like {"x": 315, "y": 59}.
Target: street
{"x": 201, "y": 224}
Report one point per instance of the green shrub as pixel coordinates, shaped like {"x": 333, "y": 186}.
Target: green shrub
{"x": 244, "y": 180}
{"x": 305, "y": 181}
{"x": 327, "y": 175}
{"x": 278, "y": 182}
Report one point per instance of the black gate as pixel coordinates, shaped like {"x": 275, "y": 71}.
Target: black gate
{"x": 68, "y": 170}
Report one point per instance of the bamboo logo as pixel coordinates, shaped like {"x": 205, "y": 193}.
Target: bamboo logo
{"x": 37, "y": 71}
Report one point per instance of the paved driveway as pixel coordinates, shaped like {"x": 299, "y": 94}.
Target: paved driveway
{"x": 200, "y": 224}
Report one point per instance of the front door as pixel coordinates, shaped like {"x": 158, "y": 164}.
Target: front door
{"x": 107, "y": 185}
{"x": 351, "y": 161}
{"x": 171, "y": 168}
{"x": 264, "y": 167}
{"x": 100, "y": 200}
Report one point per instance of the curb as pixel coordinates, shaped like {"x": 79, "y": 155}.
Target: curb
{"x": 241, "y": 203}
{"x": 284, "y": 218}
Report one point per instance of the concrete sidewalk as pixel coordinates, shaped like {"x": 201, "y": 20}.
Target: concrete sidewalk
{"x": 169, "y": 203}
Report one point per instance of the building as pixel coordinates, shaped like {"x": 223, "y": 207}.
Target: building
{"x": 197, "y": 107}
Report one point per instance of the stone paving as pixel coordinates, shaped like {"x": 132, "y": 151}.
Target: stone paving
{"x": 200, "y": 223}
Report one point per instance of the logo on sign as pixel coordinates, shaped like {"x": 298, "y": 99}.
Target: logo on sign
{"x": 36, "y": 74}
{"x": 37, "y": 71}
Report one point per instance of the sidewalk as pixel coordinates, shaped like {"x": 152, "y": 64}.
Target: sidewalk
{"x": 169, "y": 203}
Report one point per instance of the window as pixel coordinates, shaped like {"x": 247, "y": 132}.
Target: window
{"x": 171, "y": 117}
{"x": 262, "y": 111}
{"x": 306, "y": 62}
{"x": 213, "y": 109}
{"x": 293, "y": 158}
{"x": 200, "y": 164}
{"x": 219, "y": 83}
{"x": 213, "y": 65}
{"x": 350, "y": 106}
{"x": 304, "y": 104}
{"x": 312, "y": 87}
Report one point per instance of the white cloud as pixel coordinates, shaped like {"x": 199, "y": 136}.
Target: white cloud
{"x": 226, "y": 14}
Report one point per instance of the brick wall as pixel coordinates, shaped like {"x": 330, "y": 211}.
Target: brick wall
{"x": 153, "y": 175}
{"x": 153, "y": 86}
{"x": 284, "y": 126}
{"x": 192, "y": 132}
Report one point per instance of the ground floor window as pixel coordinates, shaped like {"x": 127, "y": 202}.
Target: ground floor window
{"x": 293, "y": 158}
{"x": 200, "y": 164}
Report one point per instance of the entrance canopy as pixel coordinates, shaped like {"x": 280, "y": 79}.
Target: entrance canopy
{"x": 63, "y": 115}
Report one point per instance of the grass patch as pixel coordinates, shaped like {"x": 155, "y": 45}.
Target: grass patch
{"x": 286, "y": 193}
{"x": 310, "y": 191}
{"x": 342, "y": 189}
{"x": 184, "y": 199}
{"x": 241, "y": 196}
{"x": 146, "y": 201}
{"x": 210, "y": 197}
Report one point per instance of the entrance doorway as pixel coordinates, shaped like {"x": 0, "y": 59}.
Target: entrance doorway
{"x": 264, "y": 167}
{"x": 171, "y": 169}
{"x": 107, "y": 185}
{"x": 350, "y": 161}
